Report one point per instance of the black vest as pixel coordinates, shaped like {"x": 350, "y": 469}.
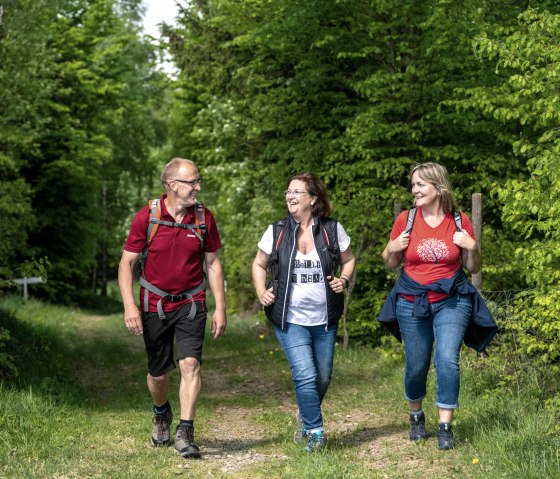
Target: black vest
{"x": 284, "y": 259}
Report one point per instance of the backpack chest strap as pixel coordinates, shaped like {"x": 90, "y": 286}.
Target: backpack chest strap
{"x": 173, "y": 298}
{"x": 185, "y": 226}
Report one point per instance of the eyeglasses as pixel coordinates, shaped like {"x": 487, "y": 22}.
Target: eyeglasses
{"x": 295, "y": 192}
{"x": 191, "y": 183}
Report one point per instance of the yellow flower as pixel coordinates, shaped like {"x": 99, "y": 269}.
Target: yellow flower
{"x": 476, "y": 460}
{"x": 261, "y": 336}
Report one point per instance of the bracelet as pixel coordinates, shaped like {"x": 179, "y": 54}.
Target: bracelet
{"x": 345, "y": 278}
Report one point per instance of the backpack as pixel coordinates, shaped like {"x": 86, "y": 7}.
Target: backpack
{"x": 412, "y": 215}
{"x": 330, "y": 235}
{"x": 200, "y": 230}
{"x": 155, "y": 221}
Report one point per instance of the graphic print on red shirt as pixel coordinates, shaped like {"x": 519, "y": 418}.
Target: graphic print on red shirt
{"x": 431, "y": 254}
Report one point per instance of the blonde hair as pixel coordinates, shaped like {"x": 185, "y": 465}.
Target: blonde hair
{"x": 436, "y": 174}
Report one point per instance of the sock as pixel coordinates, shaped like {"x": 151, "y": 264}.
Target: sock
{"x": 187, "y": 422}
{"x": 445, "y": 425}
{"x": 417, "y": 413}
{"x": 162, "y": 409}
{"x": 317, "y": 430}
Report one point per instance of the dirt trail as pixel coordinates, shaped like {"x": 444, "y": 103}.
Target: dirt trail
{"x": 236, "y": 436}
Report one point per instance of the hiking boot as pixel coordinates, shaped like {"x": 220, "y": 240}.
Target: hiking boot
{"x": 315, "y": 441}
{"x": 161, "y": 429}
{"x": 184, "y": 442}
{"x": 445, "y": 436}
{"x": 301, "y": 434}
{"x": 417, "y": 427}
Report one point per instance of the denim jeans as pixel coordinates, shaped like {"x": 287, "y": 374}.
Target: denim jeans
{"x": 446, "y": 324}
{"x": 310, "y": 353}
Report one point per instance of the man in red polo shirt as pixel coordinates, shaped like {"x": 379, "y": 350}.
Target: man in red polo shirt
{"x": 172, "y": 275}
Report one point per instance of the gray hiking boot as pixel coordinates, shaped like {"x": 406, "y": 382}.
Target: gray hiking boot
{"x": 445, "y": 436}
{"x": 161, "y": 434}
{"x": 301, "y": 434}
{"x": 417, "y": 427}
{"x": 315, "y": 441}
{"x": 184, "y": 442}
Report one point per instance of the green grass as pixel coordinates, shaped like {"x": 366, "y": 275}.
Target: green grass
{"x": 80, "y": 409}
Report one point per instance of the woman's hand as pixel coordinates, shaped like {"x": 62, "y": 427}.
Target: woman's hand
{"x": 464, "y": 241}
{"x": 399, "y": 244}
{"x": 393, "y": 252}
{"x": 337, "y": 284}
{"x": 267, "y": 298}
{"x": 470, "y": 254}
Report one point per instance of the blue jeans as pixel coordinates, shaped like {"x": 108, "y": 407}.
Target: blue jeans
{"x": 310, "y": 352}
{"x": 446, "y": 324}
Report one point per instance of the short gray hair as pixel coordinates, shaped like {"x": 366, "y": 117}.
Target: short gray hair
{"x": 172, "y": 168}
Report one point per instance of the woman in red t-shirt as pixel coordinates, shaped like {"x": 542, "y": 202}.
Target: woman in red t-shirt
{"x": 434, "y": 250}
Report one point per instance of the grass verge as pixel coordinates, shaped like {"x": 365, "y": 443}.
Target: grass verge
{"x": 79, "y": 408}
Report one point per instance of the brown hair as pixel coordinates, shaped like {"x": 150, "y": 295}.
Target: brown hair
{"x": 436, "y": 174}
{"x": 315, "y": 187}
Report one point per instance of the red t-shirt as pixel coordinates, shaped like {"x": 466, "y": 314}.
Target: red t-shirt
{"x": 431, "y": 254}
{"x": 175, "y": 256}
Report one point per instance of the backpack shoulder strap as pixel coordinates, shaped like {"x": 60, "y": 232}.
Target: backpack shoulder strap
{"x": 200, "y": 221}
{"x": 155, "y": 215}
{"x": 458, "y": 220}
{"x": 330, "y": 233}
{"x": 277, "y": 235}
{"x": 278, "y": 228}
{"x": 410, "y": 220}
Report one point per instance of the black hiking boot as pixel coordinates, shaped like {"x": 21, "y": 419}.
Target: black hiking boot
{"x": 184, "y": 442}
{"x": 417, "y": 427}
{"x": 445, "y": 436}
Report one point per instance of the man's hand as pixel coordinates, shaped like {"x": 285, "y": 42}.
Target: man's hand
{"x": 219, "y": 322}
{"x": 133, "y": 320}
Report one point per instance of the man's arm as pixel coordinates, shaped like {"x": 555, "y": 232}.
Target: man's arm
{"x": 216, "y": 280}
{"x": 132, "y": 317}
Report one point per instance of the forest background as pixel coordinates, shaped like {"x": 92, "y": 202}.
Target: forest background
{"x": 357, "y": 91}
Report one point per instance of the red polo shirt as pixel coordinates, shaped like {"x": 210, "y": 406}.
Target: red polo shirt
{"x": 431, "y": 254}
{"x": 175, "y": 257}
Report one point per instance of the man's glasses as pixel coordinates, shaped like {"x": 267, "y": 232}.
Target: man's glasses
{"x": 295, "y": 192}
{"x": 191, "y": 183}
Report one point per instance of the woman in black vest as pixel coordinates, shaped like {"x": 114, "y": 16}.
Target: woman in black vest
{"x": 305, "y": 299}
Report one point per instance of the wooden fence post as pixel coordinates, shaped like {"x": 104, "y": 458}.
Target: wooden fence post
{"x": 397, "y": 209}
{"x": 477, "y": 227}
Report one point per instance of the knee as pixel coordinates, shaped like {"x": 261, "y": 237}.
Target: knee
{"x": 447, "y": 361}
{"x": 417, "y": 369}
{"x": 158, "y": 381}
{"x": 189, "y": 366}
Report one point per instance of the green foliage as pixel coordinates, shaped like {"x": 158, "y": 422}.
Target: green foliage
{"x": 357, "y": 92}
{"x": 527, "y": 59}
{"x": 80, "y": 96}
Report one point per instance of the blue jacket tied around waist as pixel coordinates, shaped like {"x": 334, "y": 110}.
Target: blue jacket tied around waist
{"x": 481, "y": 328}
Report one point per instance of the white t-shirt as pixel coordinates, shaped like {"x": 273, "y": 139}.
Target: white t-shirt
{"x": 308, "y": 297}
